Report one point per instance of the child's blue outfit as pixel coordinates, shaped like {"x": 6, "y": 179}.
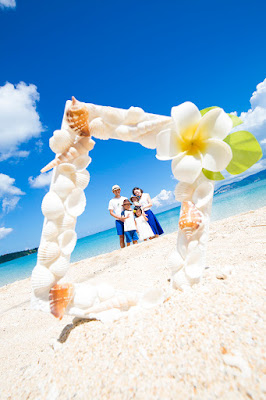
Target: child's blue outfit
{"x": 130, "y": 226}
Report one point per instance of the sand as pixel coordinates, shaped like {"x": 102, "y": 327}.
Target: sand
{"x": 208, "y": 343}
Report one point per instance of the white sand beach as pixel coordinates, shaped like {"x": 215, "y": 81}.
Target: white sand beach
{"x": 208, "y": 343}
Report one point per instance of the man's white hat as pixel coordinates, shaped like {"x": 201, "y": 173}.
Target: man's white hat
{"x": 115, "y": 187}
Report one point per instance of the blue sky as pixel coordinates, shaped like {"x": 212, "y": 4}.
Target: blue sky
{"x": 151, "y": 54}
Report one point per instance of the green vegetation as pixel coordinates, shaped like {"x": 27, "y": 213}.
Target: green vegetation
{"x": 12, "y": 256}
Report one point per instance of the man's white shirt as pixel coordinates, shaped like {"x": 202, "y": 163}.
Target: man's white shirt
{"x": 115, "y": 205}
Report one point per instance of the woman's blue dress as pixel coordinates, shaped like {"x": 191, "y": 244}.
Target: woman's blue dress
{"x": 154, "y": 223}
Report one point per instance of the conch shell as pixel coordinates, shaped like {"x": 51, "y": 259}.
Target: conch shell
{"x": 81, "y": 147}
{"x": 77, "y": 117}
{"x": 60, "y": 296}
{"x": 190, "y": 219}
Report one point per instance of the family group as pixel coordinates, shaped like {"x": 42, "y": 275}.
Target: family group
{"x": 137, "y": 224}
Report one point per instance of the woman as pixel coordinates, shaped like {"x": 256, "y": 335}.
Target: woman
{"x": 146, "y": 204}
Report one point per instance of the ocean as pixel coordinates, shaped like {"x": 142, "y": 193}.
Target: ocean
{"x": 230, "y": 202}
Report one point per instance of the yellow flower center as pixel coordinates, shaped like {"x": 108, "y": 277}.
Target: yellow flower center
{"x": 191, "y": 142}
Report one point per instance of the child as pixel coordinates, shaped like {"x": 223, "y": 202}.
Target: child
{"x": 143, "y": 228}
{"x": 135, "y": 200}
{"x": 129, "y": 223}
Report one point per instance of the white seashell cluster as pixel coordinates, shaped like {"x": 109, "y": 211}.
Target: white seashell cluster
{"x": 61, "y": 141}
{"x": 61, "y": 206}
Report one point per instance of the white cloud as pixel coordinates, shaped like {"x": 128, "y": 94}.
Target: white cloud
{"x": 164, "y": 198}
{"x": 4, "y": 232}
{"x": 19, "y": 120}
{"x": 9, "y": 204}
{"x": 8, "y": 3}
{"x": 7, "y": 186}
{"x": 9, "y": 193}
{"x": 254, "y": 120}
{"x": 41, "y": 180}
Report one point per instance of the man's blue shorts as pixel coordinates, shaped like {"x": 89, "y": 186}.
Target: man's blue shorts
{"x": 119, "y": 227}
{"x": 131, "y": 235}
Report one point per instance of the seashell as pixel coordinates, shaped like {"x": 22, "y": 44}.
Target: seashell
{"x": 203, "y": 195}
{"x": 75, "y": 203}
{"x": 85, "y": 295}
{"x": 67, "y": 241}
{"x": 48, "y": 251}
{"x": 62, "y": 186}
{"x": 152, "y": 298}
{"x": 134, "y": 115}
{"x": 66, "y": 168}
{"x": 77, "y": 117}
{"x": 82, "y": 162}
{"x": 190, "y": 219}
{"x": 42, "y": 279}
{"x": 113, "y": 116}
{"x": 238, "y": 362}
{"x": 50, "y": 230}
{"x": 180, "y": 281}
{"x": 81, "y": 147}
{"x": 105, "y": 291}
{"x": 123, "y": 132}
{"x": 183, "y": 191}
{"x": 123, "y": 302}
{"x": 175, "y": 261}
{"x": 60, "y": 266}
{"x": 52, "y": 206}
{"x": 66, "y": 222}
{"x": 60, "y": 296}
{"x": 82, "y": 179}
{"x": 61, "y": 141}
{"x": 101, "y": 129}
{"x": 148, "y": 140}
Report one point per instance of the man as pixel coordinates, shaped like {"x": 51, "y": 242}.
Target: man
{"x": 115, "y": 208}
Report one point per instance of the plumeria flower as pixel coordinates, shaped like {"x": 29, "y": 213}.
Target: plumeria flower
{"x": 194, "y": 142}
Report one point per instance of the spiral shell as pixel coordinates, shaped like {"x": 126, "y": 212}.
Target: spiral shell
{"x": 82, "y": 179}
{"x": 67, "y": 241}
{"x": 50, "y": 230}
{"x": 77, "y": 117}
{"x": 62, "y": 186}
{"x": 61, "y": 141}
{"x": 81, "y": 147}
{"x": 123, "y": 302}
{"x": 48, "y": 251}
{"x": 183, "y": 191}
{"x": 60, "y": 296}
{"x": 52, "y": 206}
{"x": 75, "y": 203}
{"x": 41, "y": 279}
{"x": 190, "y": 219}
{"x": 60, "y": 266}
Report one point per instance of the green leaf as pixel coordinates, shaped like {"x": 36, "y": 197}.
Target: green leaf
{"x": 246, "y": 151}
{"x": 236, "y": 120}
{"x": 213, "y": 176}
{"x": 205, "y": 110}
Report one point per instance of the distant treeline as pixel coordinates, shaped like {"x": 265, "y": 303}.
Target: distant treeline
{"x": 18, "y": 254}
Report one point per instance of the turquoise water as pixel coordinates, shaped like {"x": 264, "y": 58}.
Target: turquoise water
{"x": 232, "y": 202}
